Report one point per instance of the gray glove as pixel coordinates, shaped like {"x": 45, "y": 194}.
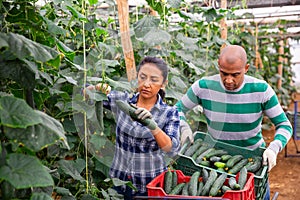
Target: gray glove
{"x": 186, "y": 132}
{"x": 143, "y": 113}
{"x": 270, "y": 154}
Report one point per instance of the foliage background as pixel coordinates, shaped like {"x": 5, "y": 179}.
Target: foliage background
{"x": 54, "y": 144}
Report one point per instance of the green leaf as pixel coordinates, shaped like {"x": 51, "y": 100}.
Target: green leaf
{"x": 156, "y": 36}
{"x": 24, "y": 171}
{"x": 23, "y": 48}
{"x": 77, "y": 14}
{"x": 40, "y": 196}
{"x": 144, "y": 25}
{"x": 16, "y": 113}
{"x": 3, "y": 41}
{"x": 92, "y": 2}
{"x": 72, "y": 168}
{"x": 41, "y": 135}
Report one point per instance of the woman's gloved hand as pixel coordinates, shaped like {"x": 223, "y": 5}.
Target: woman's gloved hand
{"x": 143, "y": 113}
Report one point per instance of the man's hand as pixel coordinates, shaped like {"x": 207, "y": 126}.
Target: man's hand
{"x": 270, "y": 154}
{"x": 269, "y": 158}
{"x": 186, "y": 132}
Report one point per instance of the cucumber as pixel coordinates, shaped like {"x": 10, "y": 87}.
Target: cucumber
{"x": 185, "y": 189}
{"x": 215, "y": 159}
{"x": 255, "y": 165}
{"x": 191, "y": 150}
{"x": 204, "y": 163}
{"x": 220, "y": 165}
{"x": 174, "y": 179}
{"x": 217, "y": 152}
{"x": 201, "y": 156}
{"x": 242, "y": 177}
{"x": 205, "y": 175}
{"x": 210, "y": 181}
{"x": 203, "y": 148}
{"x": 233, "y": 184}
{"x": 168, "y": 181}
{"x": 225, "y": 188}
{"x": 177, "y": 189}
{"x": 185, "y": 146}
{"x": 200, "y": 187}
{"x": 225, "y": 157}
{"x": 193, "y": 185}
{"x": 233, "y": 160}
{"x": 238, "y": 166}
{"x": 217, "y": 185}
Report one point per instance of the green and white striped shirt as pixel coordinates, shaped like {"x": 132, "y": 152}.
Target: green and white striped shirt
{"x": 236, "y": 116}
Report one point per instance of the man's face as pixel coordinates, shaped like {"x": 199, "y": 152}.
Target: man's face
{"x": 232, "y": 75}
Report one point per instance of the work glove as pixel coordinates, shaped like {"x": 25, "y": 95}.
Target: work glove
{"x": 186, "y": 132}
{"x": 143, "y": 113}
{"x": 270, "y": 154}
{"x": 103, "y": 87}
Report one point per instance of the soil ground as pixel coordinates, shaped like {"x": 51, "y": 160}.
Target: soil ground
{"x": 284, "y": 177}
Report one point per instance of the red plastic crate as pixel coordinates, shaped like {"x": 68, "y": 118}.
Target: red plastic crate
{"x": 155, "y": 188}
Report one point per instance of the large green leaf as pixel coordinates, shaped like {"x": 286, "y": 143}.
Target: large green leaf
{"x": 41, "y": 135}
{"x": 156, "y": 37}
{"x": 40, "y": 196}
{"x": 73, "y": 168}
{"x": 24, "y": 171}
{"x": 3, "y": 41}
{"x": 23, "y": 48}
{"x": 16, "y": 113}
{"x": 144, "y": 25}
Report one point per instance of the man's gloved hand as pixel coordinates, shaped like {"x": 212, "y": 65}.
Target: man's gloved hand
{"x": 143, "y": 113}
{"x": 270, "y": 154}
{"x": 186, "y": 132}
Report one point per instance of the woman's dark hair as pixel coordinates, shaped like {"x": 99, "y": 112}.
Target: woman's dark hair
{"x": 161, "y": 65}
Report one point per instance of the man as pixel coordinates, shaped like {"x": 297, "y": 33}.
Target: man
{"x": 234, "y": 104}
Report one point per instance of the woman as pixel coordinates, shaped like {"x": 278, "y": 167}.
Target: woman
{"x": 140, "y": 152}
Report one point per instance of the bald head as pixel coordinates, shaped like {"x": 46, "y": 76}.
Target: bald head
{"x": 230, "y": 54}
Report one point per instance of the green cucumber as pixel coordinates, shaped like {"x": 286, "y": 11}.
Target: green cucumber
{"x": 205, "y": 163}
{"x": 177, "y": 189}
{"x": 217, "y": 152}
{"x": 225, "y": 188}
{"x": 255, "y": 165}
{"x": 225, "y": 157}
{"x": 185, "y": 146}
{"x": 217, "y": 185}
{"x": 185, "y": 189}
{"x": 168, "y": 181}
{"x": 174, "y": 179}
{"x": 215, "y": 159}
{"x": 210, "y": 181}
{"x": 233, "y": 184}
{"x": 203, "y": 148}
{"x": 238, "y": 166}
{"x": 202, "y": 155}
{"x": 233, "y": 160}
{"x": 191, "y": 150}
{"x": 242, "y": 177}
{"x": 193, "y": 185}
{"x": 200, "y": 187}
{"x": 220, "y": 164}
{"x": 205, "y": 175}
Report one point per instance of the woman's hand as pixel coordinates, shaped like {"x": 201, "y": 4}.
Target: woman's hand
{"x": 103, "y": 87}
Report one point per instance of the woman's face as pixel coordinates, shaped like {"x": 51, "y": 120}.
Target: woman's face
{"x": 150, "y": 80}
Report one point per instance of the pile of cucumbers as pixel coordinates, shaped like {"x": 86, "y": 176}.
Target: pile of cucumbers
{"x": 203, "y": 154}
{"x": 204, "y": 183}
